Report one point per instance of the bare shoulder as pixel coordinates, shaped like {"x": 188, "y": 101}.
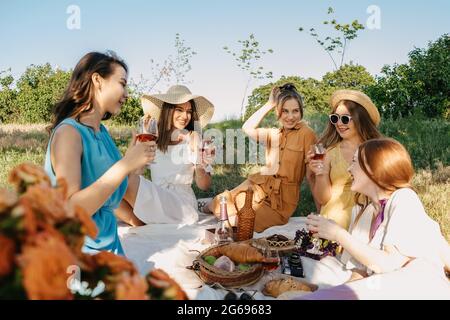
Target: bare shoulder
{"x": 67, "y": 137}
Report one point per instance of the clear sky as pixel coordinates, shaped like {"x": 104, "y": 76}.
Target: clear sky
{"x": 35, "y": 32}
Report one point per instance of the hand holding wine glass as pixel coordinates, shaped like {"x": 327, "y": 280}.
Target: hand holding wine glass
{"x": 208, "y": 153}
{"x": 315, "y": 158}
{"x": 147, "y": 130}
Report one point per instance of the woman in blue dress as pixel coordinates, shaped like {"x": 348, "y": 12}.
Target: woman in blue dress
{"x": 81, "y": 151}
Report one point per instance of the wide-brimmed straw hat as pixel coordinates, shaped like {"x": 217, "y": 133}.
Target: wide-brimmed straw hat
{"x": 358, "y": 97}
{"x": 152, "y": 103}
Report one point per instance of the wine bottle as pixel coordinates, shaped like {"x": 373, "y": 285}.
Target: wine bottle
{"x": 224, "y": 232}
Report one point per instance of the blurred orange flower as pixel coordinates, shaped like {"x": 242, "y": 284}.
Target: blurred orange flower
{"x": 88, "y": 225}
{"x": 165, "y": 285}
{"x": 7, "y": 200}
{"x": 44, "y": 266}
{"x": 7, "y": 252}
{"x": 131, "y": 288}
{"x": 116, "y": 264}
{"x": 29, "y": 221}
{"x": 27, "y": 174}
{"x": 47, "y": 201}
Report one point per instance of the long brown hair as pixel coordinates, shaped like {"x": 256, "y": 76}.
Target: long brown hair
{"x": 364, "y": 125}
{"x": 165, "y": 124}
{"x": 387, "y": 163}
{"x": 79, "y": 94}
{"x": 288, "y": 91}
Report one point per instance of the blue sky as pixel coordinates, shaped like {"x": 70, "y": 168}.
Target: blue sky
{"x": 35, "y": 32}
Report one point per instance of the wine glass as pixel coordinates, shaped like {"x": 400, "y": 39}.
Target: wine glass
{"x": 272, "y": 258}
{"x": 319, "y": 151}
{"x": 147, "y": 130}
{"x": 209, "y": 150}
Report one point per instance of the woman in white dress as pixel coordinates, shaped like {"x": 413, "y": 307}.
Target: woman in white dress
{"x": 393, "y": 250}
{"x": 168, "y": 197}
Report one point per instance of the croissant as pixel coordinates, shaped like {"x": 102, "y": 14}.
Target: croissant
{"x": 276, "y": 287}
{"x": 241, "y": 253}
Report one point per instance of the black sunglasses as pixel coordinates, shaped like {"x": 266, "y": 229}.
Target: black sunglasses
{"x": 334, "y": 118}
{"x": 233, "y": 296}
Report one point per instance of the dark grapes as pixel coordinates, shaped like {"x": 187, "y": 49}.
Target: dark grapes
{"x": 305, "y": 241}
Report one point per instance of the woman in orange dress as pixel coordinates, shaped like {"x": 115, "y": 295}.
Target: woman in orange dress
{"x": 276, "y": 189}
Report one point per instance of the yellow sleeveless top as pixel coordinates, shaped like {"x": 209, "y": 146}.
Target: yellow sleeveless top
{"x": 339, "y": 207}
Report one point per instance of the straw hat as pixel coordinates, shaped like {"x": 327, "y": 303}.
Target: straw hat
{"x": 178, "y": 94}
{"x": 358, "y": 97}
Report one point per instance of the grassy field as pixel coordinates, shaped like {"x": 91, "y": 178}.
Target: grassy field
{"x": 428, "y": 141}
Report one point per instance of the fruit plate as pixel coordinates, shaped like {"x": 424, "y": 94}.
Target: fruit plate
{"x": 315, "y": 248}
{"x": 234, "y": 279}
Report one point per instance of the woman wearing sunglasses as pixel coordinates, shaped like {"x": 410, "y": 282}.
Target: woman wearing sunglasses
{"x": 353, "y": 120}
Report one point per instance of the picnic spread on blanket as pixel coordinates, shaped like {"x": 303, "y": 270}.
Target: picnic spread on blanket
{"x": 183, "y": 252}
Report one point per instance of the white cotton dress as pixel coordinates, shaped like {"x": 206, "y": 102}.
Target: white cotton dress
{"x": 169, "y": 197}
{"x": 413, "y": 233}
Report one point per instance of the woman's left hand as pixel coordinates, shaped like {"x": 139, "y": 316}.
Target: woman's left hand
{"x": 323, "y": 227}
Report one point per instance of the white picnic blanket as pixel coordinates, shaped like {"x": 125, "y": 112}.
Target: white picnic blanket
{"x": 174, "y": 247}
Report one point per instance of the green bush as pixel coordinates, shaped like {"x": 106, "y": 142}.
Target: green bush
{"x": 7, "y": 97}
{"x": 316, "y": 93}
{"x": 39, "y": 88}
{"x": 421, "y": 85}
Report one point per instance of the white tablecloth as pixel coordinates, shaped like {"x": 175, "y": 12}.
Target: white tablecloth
{"x": 169, "y": 247}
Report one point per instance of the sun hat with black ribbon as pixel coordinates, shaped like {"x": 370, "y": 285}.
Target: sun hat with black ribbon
{"x": 358, "y": 97}
{"x": 178, "y": 94}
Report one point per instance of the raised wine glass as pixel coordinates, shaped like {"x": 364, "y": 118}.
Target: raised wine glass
{"x": 319, "y": 151}
{"x": 147, "y": 130}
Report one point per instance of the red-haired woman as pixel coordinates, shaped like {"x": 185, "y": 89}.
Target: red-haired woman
{"x": 393, "y": 249}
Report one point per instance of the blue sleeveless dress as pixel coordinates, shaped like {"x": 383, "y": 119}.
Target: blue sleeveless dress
{"x": 99, "y": 154}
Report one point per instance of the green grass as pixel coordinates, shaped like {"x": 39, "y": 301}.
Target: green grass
{"x": 428, "y": 142}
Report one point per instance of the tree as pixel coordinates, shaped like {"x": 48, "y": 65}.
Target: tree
{"x": 172, "y": 70}
{"x": 7, "y": 96}
{"x": 316, "y": 93}
{"x": 421, "y": 85}
{"x": 247, "y": 60}
{"x": 182, "y": 64}
{"x": 338, "y": 44}
{"x": 39, "y": 88}
{"x": 349, "y": 76}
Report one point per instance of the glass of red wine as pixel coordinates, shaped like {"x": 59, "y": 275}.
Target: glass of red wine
{"x": 147, "y": 130}
{"x": 272, "y": 259}
{"x": 319, "y": 151}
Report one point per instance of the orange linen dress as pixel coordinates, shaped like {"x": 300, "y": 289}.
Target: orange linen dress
{"x": 276, "y": 196}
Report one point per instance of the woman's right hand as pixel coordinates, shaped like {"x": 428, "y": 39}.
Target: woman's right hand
{"x": 273, "y": 97}
{"x": 140, "y": 154}
{"x": 318, "y": 167}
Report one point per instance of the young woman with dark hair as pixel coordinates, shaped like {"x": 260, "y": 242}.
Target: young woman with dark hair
{"x": 82, "y": 152}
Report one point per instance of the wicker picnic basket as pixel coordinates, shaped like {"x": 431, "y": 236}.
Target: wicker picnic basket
{"x": 238, "y": 278}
